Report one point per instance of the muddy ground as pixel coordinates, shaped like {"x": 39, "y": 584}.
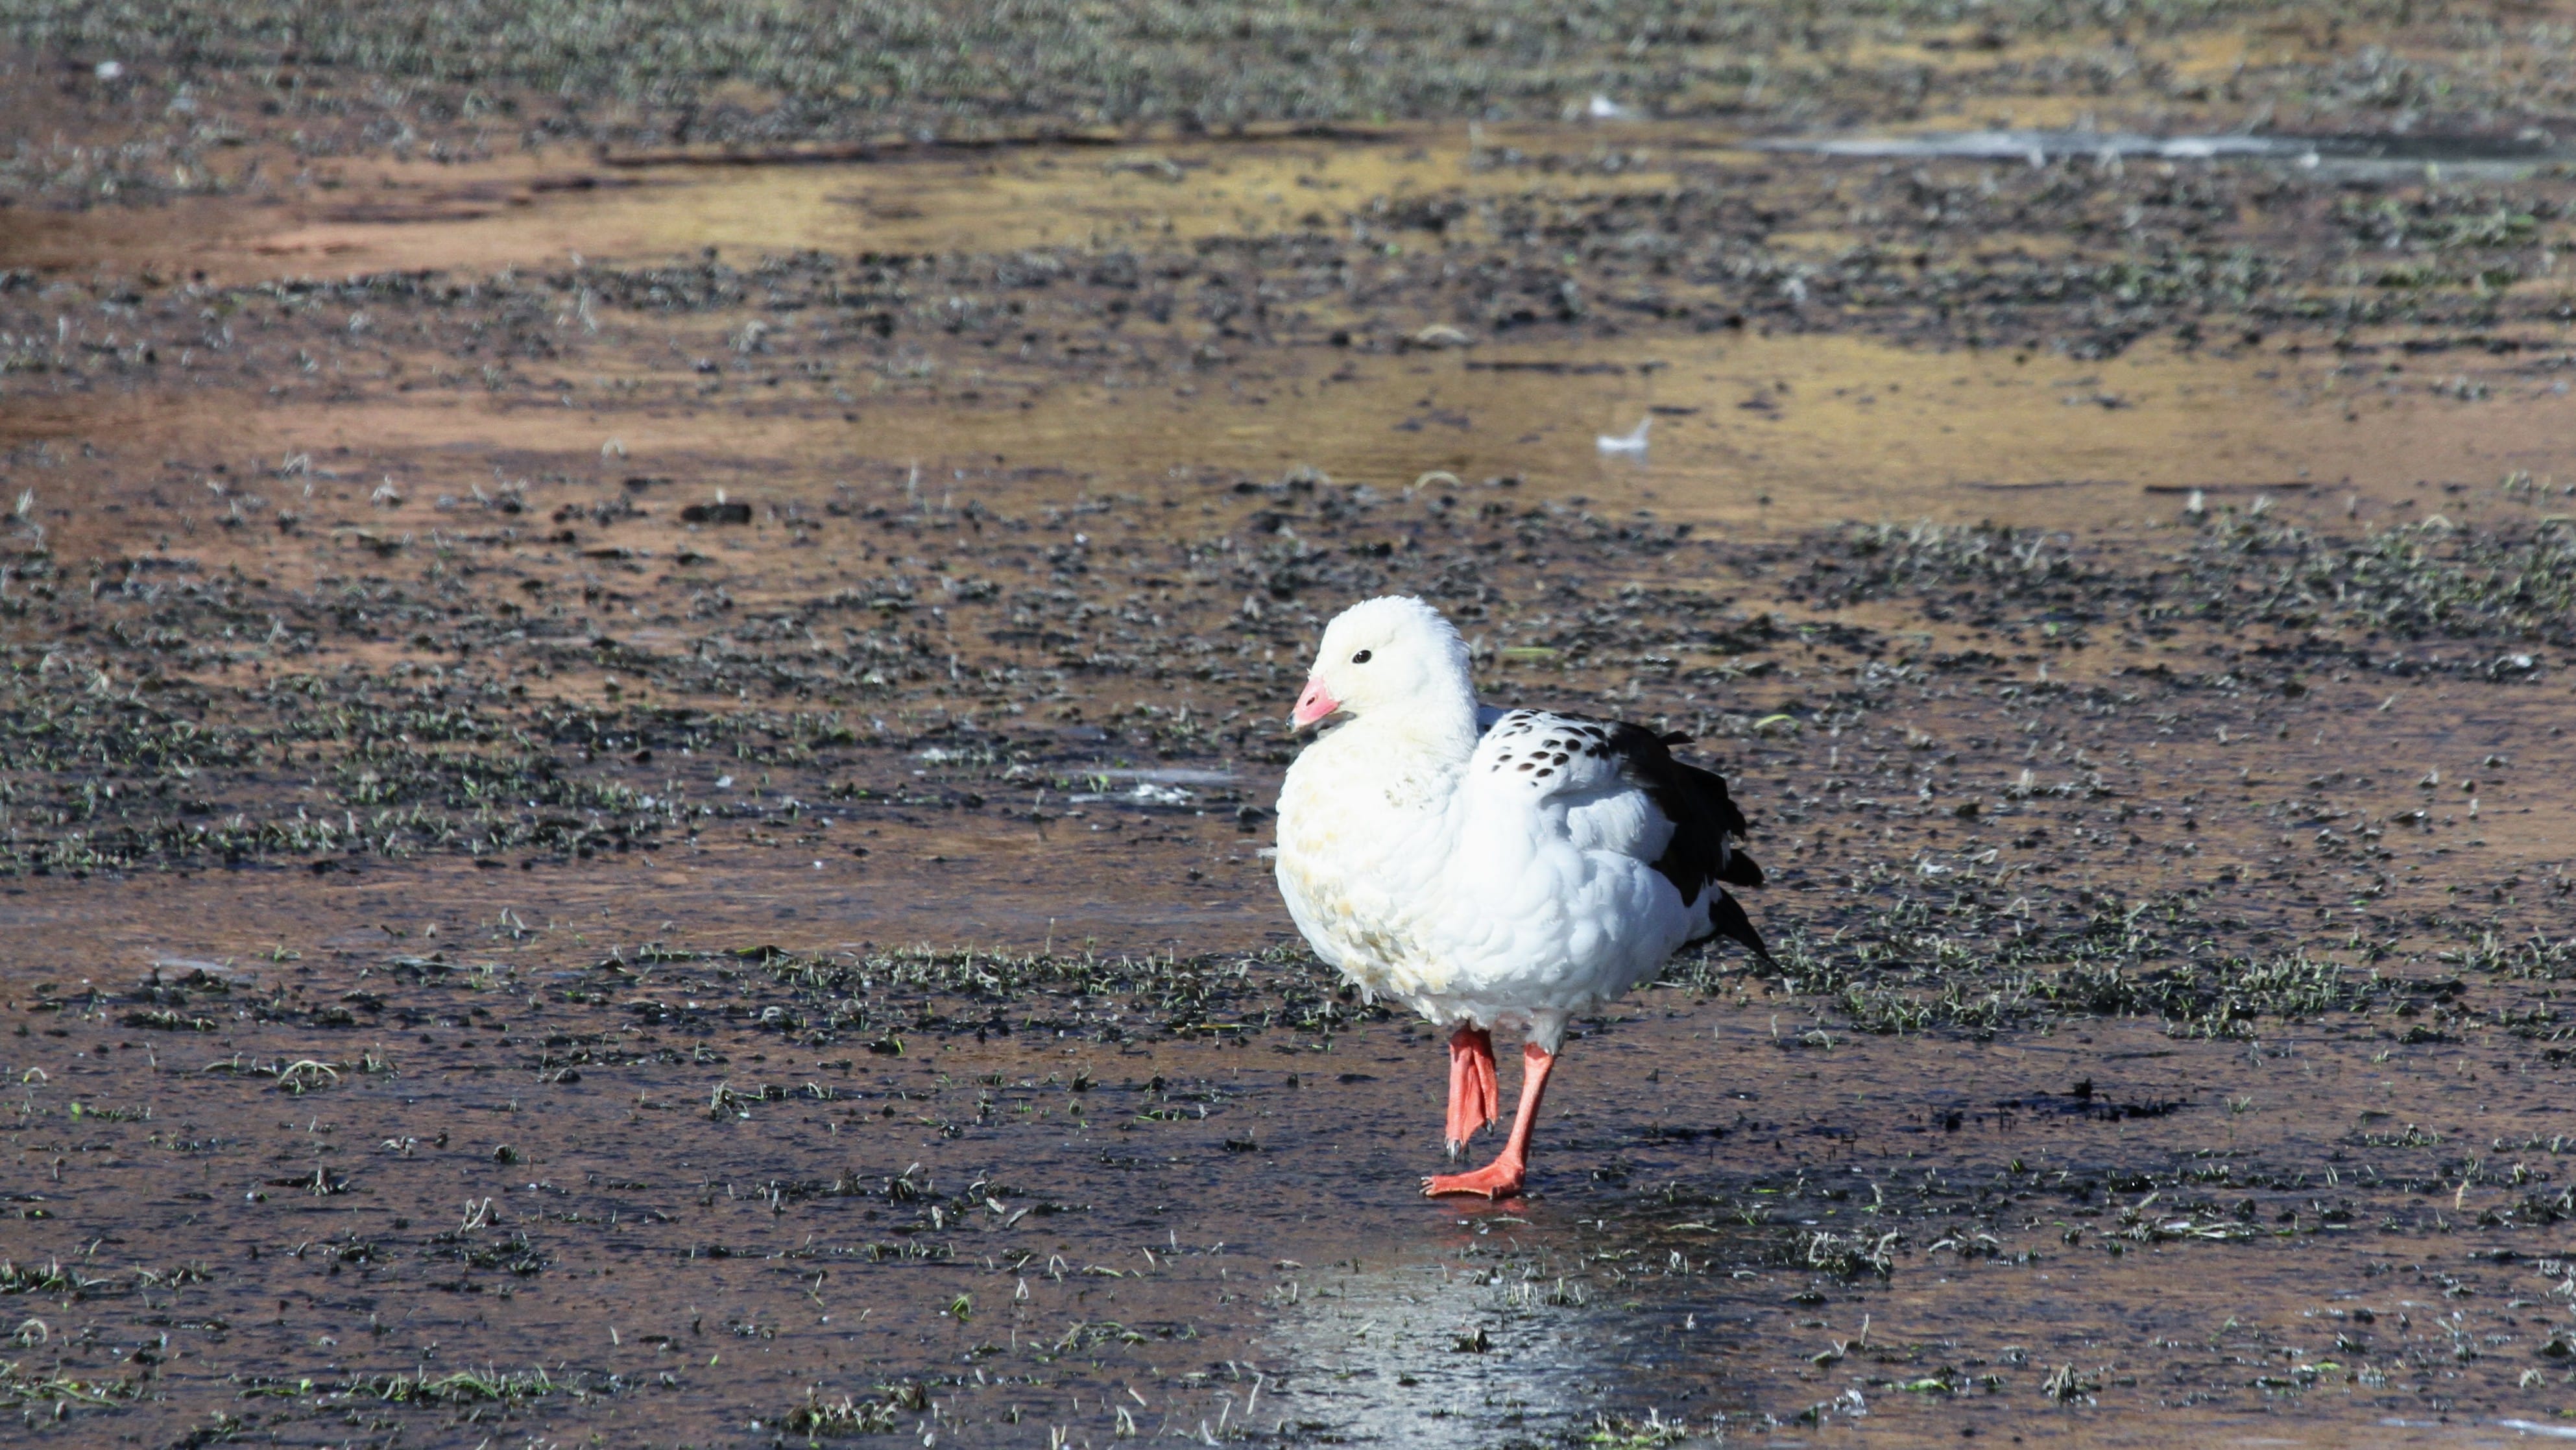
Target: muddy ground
{"x": 642, "y": 692}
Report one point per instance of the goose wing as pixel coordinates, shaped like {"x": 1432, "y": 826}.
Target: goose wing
{"x": 1615, "y": 786}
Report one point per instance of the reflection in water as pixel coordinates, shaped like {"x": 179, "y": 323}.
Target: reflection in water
{"x": 1449, "y": 1343}
{"x": 1432, "y": 1352}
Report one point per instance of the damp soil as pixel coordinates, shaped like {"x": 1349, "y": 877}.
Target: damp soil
{"x": 634, "y": 781}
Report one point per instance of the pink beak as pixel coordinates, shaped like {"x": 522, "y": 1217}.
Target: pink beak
{"x": 1313, "y": 705}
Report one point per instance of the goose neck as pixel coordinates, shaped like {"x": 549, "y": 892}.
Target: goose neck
{"x": 1446, "y": 731}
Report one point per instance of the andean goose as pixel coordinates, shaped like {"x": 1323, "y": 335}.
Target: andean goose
{"x": 1492, "y": 868}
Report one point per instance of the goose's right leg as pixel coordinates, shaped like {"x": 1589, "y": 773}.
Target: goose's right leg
{"x": 1503, "y": 1177}
{"x": 1475, "y": 1097}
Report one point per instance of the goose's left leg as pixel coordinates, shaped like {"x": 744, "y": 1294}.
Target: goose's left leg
{"x": 1475, "y": 1098}
{"x": 1502, "y": 1177}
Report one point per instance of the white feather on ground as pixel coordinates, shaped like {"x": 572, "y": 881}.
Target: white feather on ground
{"x": 1632, "y": 441}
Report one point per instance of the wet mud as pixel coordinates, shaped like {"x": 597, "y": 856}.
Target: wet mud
{"x": 634, "y": 777}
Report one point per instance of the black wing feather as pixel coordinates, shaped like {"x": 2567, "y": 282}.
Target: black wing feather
{"x": 1704, "y": 816}
{"x": 1741, "y": 870}
{"x": 1727, "y": 919}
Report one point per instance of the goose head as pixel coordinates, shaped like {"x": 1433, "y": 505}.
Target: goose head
{"x": 1390, "y": 656}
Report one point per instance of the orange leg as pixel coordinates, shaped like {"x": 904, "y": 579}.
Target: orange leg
{"x": 1475, "y": 1098}
{"x": 1502, "y": 1177}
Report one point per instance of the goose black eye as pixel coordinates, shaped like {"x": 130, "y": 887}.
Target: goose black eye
{"x": 1361, "y": 658}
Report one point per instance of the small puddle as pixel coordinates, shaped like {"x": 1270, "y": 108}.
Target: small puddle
{"x": 2041, "y": 147}
{"x": 1166, "y": 777}
{"x": 1148, "y": 788}
{"x": 2373, "y": 157}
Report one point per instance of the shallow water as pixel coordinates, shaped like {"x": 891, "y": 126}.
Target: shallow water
{"x": 2351, "y": 158}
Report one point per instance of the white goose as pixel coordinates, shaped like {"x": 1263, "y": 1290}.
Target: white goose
{"x": 1491, "y": 868}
